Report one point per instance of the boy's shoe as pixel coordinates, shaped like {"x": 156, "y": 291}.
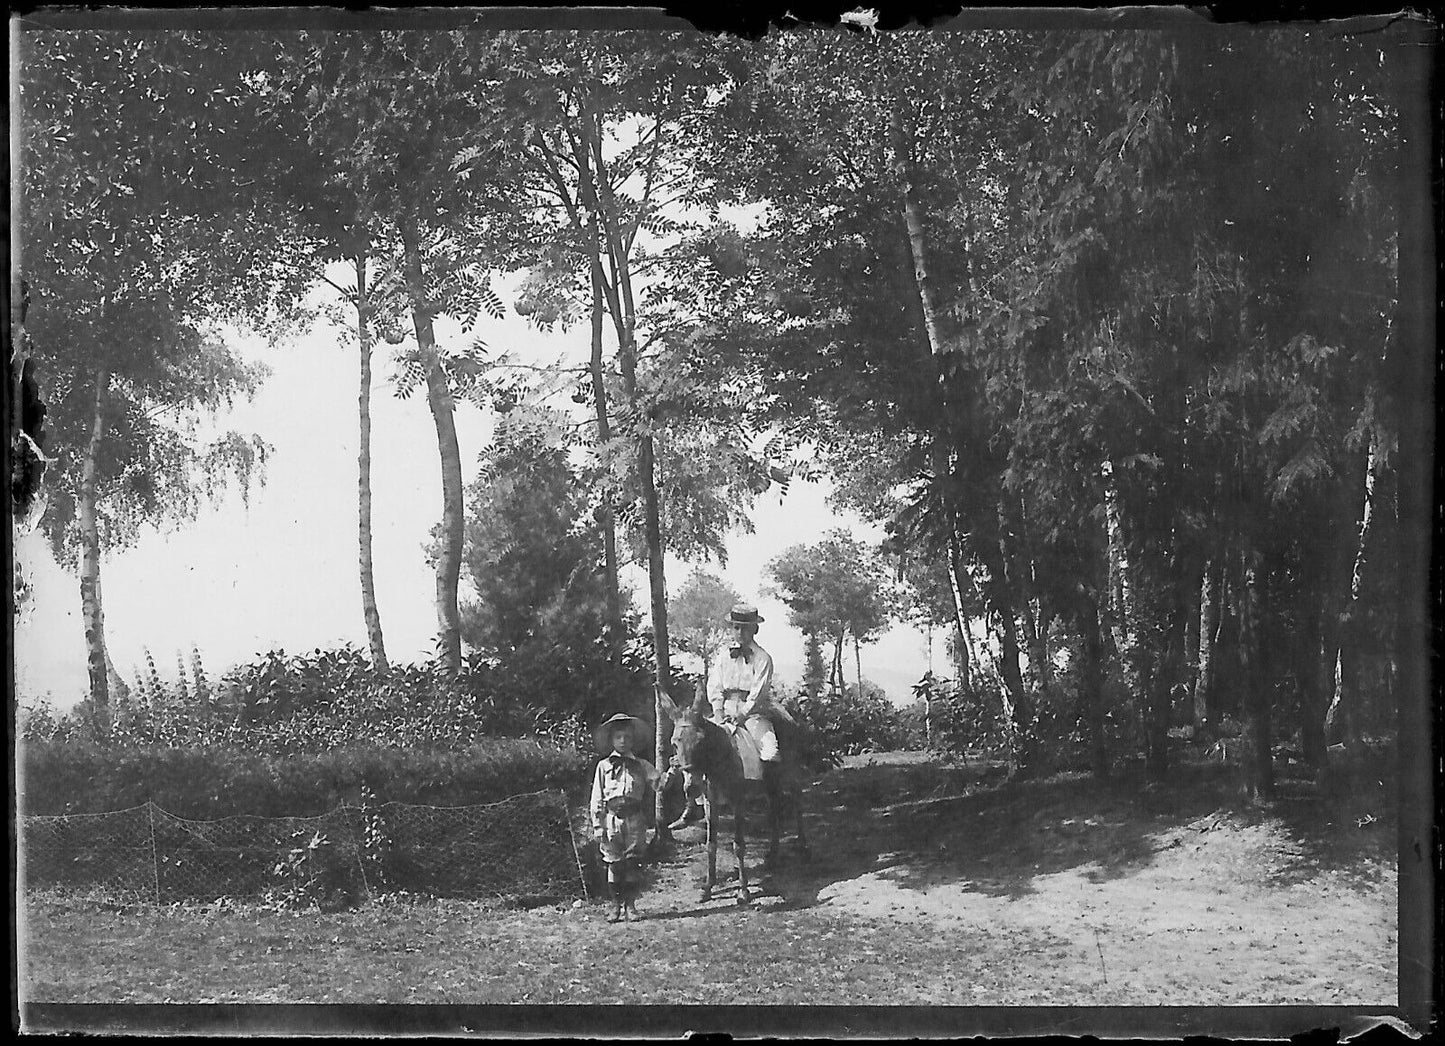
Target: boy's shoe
{"x": 630, "y": 912}
{"x": 616, "y": 916}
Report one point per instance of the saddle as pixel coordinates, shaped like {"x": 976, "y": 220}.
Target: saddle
{"x": 747, "y": 750}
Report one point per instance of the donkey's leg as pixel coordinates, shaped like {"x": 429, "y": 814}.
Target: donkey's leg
{"x": 772, "y": 795}
{"x": 709, "y": 813}
{"x": 738, "y": 847}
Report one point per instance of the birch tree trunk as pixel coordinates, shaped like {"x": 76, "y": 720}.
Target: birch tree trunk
{"x": 92, "y": 614}
{"x": 363, "y": 470}
{"x": 1340, "y": 718}
{"x": 1208, "y": 627}
{"x": 1120, "y": 593}
{"x": 960, "y": 615}
{"x": 917, "y": 233}
{"x": 439, "y": 399}
{"x": 1123, "y": 619}
{"x": 1014, "y": 699}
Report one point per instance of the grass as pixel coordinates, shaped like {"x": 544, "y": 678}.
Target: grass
{"x": 1052, "y": 892}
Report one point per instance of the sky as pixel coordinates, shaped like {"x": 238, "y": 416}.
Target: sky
{"x": 279, "y": 569}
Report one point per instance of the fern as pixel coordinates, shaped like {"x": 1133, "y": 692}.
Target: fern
{"x": 183, "y": 694}
{"x": 203, "y": 686}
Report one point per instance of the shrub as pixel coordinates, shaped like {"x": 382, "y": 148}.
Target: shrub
{"x": 847, "y": 723}
{"x": 207, "y": 783}
{"x": 962, "y": 719}
{"x": 315, "y": 703}
{"x": 313, "y": 873}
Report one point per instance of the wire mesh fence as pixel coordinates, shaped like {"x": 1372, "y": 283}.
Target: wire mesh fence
{"x": 520, "y": 849}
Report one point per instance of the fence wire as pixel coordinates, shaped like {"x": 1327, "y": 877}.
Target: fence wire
{"x": 519, "y": 849}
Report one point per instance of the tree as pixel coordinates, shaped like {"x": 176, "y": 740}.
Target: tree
{"x": 540, "y": 605}
{"x": 395, "y": 118}
{"x": 699, "y": 616}
{"x": 836, "y": 588}
{"x": 614, "y": 124}
{"x": 335, "y": 224}
{"x": 135, "y": 243}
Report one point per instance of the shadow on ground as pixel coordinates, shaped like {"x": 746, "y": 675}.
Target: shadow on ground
{"x": 932, "y": 824}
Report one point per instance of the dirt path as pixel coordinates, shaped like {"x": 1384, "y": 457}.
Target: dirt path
{"x": 927, "y": 887}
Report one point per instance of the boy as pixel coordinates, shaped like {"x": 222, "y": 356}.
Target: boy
{"x": 621, "y": 801}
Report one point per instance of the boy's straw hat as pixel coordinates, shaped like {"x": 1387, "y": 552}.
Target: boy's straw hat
{"x": 602, "y": 736}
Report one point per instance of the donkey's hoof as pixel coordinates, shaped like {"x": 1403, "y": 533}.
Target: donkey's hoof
{"x": 704, "y": 896}
{"x": 743, "y": 898}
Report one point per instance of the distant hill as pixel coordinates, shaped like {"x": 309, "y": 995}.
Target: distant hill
{"x": 897, "y": 682}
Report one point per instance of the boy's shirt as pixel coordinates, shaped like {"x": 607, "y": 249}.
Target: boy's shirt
{"x": 620, "y": 785}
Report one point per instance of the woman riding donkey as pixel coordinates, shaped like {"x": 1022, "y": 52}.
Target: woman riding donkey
{"x": 740, "y": 695}
{"x": 727, "y": 763}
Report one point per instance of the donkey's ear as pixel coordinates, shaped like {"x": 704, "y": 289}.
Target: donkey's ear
{"x": 669, "y": 706}
{"x": 700, "y": 703}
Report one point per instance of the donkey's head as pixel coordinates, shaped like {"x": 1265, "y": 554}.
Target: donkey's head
{"x": 695, "y": 740}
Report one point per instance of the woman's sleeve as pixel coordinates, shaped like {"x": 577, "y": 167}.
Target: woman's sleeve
{"x": 762, "y": 683}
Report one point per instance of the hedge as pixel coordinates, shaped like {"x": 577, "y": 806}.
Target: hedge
{"x": 211, "y": 783}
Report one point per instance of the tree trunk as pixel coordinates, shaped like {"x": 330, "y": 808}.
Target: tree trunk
{"x": 1037, "y": 649}
{"x": 858, "y": 665}
{"x": 439, "y": 399}
{"x": 1316, "y": 685}
{"x": 624, "y": 320}
{"x": 1091, "y": 688}
{"x": 91, "y": 613}
{"x": 917, "y": 234}
{"x": 970, "y": 650}
{"x": 1167, "y": 670}
{"x": 1124, "y": 619}
{"x": 1017, "y": 712}
{"x": 1191, "y": 649}
{"x": 1254, "y": 682}
{"x": 1120, "y": 592}
{"x": 960, "y": 615}
{"x": 1340, "y": 719}
{"x": 363, "y": 463}
{"x": 652, "y": 517}
{"x": 606, "y": 516}
{"x": 836, "y": 676}
{"x": 1015, "y": 699}
{"x": 1208, "y": 630}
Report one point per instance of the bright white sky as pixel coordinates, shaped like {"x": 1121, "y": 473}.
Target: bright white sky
{"x": 281, "y": 572}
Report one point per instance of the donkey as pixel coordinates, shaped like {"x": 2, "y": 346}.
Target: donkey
{"x": 712, "y": 769}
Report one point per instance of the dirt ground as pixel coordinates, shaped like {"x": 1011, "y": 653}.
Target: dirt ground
{"x": 930, "y": 884}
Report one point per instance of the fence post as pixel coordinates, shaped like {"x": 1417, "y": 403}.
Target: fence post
{"x": 155, "y": 852}
{"x": 354, "y": 818}
{"x": 572, "y": 836}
